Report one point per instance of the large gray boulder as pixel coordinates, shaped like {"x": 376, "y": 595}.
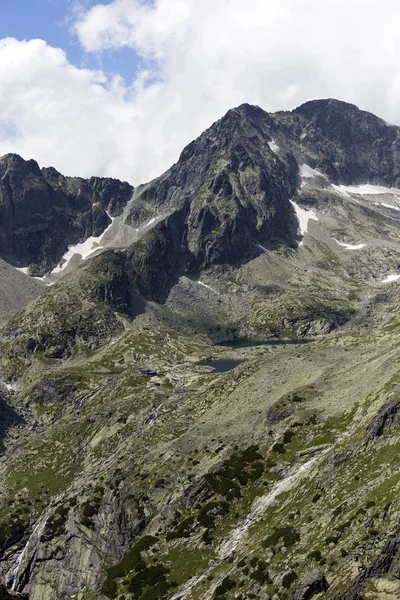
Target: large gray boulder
{"x": 310, "y": 584}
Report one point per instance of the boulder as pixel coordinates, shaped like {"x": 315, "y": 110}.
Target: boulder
{"x": 310, "y": 584}
{"x": 6, "y": 594}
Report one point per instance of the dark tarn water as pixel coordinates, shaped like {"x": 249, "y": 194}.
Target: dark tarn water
{"x": 220, "y": 366}
{"x": 252, "y": 343}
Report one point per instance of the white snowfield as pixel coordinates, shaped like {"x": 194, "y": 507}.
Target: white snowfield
{"x": 307, "y": 172}
{"x": 273, "y": 146}
{"x": 303, "y": 217}
{"x": 390, "y": 278}
{"x": 83, "y": 249}
{"x": 350, "y": 246}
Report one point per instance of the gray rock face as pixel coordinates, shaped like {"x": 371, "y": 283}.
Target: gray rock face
{"x": 354, "y": 146}
{"x": 42, "y": 212}
{"x": 386, "y": 563}
{"x": 387, "y": 416}
{"x": 233, "y": 189}
{"x": 51, "y": 391}
{"x": 311, "y": 584}
{"x": 16, "y": 290}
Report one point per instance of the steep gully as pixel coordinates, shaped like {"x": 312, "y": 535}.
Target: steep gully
{"x": 258, "y": 508}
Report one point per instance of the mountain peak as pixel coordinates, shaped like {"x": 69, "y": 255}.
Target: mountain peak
{"x": 16, "y": 162}
{"x": 325, "y": 105}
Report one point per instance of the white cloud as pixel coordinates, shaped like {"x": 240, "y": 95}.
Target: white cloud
{"x": 200, "y": 58}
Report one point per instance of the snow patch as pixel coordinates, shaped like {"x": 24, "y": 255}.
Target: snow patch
{"x": 83, "y": 249}
{"x": 10, "y": 387}
{"x": 273, "y": 146}
{"x": 150, "y": 222}
{"x": 349, "y": 246}
{"x": 390, "y": 278}
{"x": 303, "y": 217}
{"x": 308, "y": 172}
{"x": 262, "y": 248}
{"x": 208, "y": 287}
{"x": 390, "y": 206}
{"x": 367, "y": 189}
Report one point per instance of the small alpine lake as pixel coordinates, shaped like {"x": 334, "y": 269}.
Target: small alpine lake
{"x": 220, "y": 365}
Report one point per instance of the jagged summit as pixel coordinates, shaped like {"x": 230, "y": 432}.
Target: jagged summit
{"x": 42, "y": 212}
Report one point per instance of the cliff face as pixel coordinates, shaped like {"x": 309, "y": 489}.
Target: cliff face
{"x": 235, "y": 191}
{"x": 42, "y": 212}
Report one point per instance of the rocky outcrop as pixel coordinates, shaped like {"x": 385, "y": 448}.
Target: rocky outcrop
{"x": 8, "y": 418}
{"x": 6, "y": 594}
{"x": 311, "y": 583}
{"x": 349, "y": 145}
{"x": 42, "y": 212}
{"x": 51, "y": 391}
{"x": 16, "y": 290}
{"x": 155, "y": 263}
{"x": 386, "y": 563}
{"x": 387, "y": 416}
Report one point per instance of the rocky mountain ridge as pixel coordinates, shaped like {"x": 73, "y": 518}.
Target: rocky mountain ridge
{"x": 42, "y": 212}
{"x": 142, "y": 460}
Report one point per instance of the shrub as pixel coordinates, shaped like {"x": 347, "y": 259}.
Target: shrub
{"x": 288, "y": 436}
{"x": 226, "y": 585}
{"x": 288, "y": 535}
{"x": 288, "y": 579}
{"x": 278, "y": 447}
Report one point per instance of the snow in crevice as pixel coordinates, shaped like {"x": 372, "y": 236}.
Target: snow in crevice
{"x": 391, "y": 278}
{"x": 349, "y": 246}
{"x": 390, "y": 206}
{"x": 83, "y": 249}
{"x": 273, "y": 146}
{"x": 144, "y": 225}
{"x": 262, "y": 248}
{"x": 25, "y": 271}
{"x": 208, "y": 287}
{"x": 307, "y": 172}
{"x": 303, "y": 217}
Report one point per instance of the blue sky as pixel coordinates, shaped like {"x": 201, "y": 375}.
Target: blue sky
{"x": 51, "y": 21}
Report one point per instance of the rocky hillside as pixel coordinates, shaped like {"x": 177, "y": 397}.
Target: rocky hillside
{"x": 209, "y": 407}
{"x": 16, "y": 290}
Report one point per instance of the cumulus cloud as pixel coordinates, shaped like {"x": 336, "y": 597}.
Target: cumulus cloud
{"x": 198, "y": 59}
